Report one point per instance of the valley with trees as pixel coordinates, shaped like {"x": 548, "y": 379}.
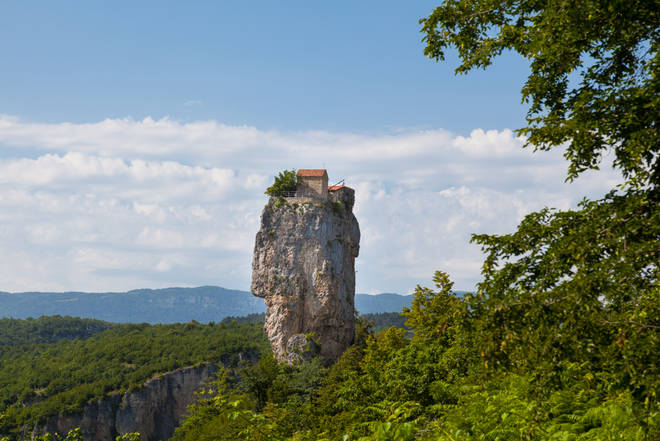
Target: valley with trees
{"x": 559, "y": 341}
{"x": 561, "y": 338}
{"x": 42, "y": 376}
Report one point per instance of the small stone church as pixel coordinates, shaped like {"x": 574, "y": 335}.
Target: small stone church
{"x": 313, "y": 183}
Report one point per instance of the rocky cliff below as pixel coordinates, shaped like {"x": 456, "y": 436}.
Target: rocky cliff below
{"x": 154, "y": 411}
{"x": 304, "y": 268}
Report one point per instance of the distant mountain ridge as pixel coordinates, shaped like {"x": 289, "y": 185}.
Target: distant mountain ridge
{"x": 168, "y": 305}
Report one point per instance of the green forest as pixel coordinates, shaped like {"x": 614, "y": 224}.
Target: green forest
{"x": 476, "y": 368}
{"x": 561, "y": 338}
{"x": 560, "y": 341}
{"x": 377, "y": 321}
{"x": 65, "y": 362}
{"x": 57, "y": 364}
{"x": 48, "y": 329}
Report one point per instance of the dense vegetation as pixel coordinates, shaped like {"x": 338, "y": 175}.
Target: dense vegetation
{"x": 46, "y": 367}
{"x": 468, "y": 373}
{"x": 384, "y": 320}
{"x": 48, "y": 329}
{"x": 377, "y": 321}
{"x": 561, "y": 340}
{"x": 250, "y": 318}
{"x": 41, "y": 379}
{"x": 286, "y": 181}
{"x": 76, "y": 435}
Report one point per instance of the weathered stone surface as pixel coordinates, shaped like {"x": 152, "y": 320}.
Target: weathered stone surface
{"x": 155, "y": 410}
{"x": 301, "y": 347}
{"x": 304, "y": 268}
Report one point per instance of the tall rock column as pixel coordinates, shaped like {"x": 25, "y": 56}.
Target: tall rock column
{"x": 304, "y": 268}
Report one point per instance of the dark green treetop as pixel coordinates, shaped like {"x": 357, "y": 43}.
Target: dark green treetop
{"x": 285, "y": 181}
{"x": 578, "y": 286}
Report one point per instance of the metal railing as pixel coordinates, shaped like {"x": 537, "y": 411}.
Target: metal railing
{"x": 288, "y": 194}
{"x": 294, "y": 194}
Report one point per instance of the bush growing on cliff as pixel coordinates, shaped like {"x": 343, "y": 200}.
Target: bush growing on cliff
{"x": 285, "y": 181}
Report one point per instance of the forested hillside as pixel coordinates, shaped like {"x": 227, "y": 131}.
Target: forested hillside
{"x": 53, "y": 373}
{"x": 384, "y": 320}
{"x": 377, "y": 322}
{"x": 57, "y": 364}
{"x": 48, "y": 329}
{"x": 561, "y": 340}
{"x": 472, "y": 370}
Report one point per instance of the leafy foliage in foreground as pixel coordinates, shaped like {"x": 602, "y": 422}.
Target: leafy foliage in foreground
{"x": 38, "y": 380}
{"x": 76, "y": 435}
{"x": 464, "y": 375}
{"x": 561, "y": 341}
{"x": 594, "y": 77}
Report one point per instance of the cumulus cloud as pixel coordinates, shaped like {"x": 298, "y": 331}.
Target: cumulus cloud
{"x": 121, "y": 204}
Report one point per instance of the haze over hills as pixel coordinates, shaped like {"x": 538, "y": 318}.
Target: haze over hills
{"x": 168, "y": 305}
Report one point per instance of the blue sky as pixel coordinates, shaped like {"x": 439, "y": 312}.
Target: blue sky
{"x": 137, "y": 138}
{"x": 291, "y": 65}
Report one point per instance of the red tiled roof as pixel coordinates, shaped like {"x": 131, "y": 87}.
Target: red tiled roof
{"x": 318, "y": 172}
{"x": 335, "y": 187}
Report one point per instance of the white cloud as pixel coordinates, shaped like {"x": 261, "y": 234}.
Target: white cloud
{"x": 122, "y": 204}
{"x": 489, "y": 143}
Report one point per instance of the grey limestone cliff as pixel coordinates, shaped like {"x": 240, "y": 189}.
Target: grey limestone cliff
{"x": 154, "y": 411}
{"x": 304, "y": 268}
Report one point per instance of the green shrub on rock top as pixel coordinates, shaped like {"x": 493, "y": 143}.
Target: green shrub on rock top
{"x": 285, "y": 181}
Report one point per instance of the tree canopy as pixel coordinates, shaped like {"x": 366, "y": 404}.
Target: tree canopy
{"x": 562, "y": 338}
{"x": 63, "y": 367}
{"x": 285, "y": 181}
{"x": 561, "y": 341}
{"x": 593, "y": 86}
{"x": 594, "y": 72}
{"x": 48, "y": 329}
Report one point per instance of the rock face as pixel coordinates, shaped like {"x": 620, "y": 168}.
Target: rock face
{"x": 304, "y": 268}
{"x": 154, "y": 411}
